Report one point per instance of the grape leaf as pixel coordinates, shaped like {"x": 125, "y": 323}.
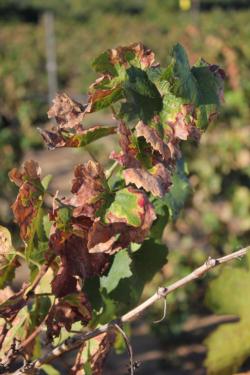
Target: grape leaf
{"x": 143, "y": 100}
{"x": 120, "y": 269}
{"x": 126, "y": 207}
{"x": 146, "y": 262}
{"x": 179, "y": 192}
{"x": 135, "y": 54}
{"x": 18, "y": 329}
{"x": 79, "y": 138}
{"x": 50, "y": 370}
{"x": 67, "y": 112}
{"x": 229, "y": 345}
{"x": 28, "y": 206}
{"x": 201, "y": 84}
{"x": 90, "y": 359}
{"x": 5, "y": 247}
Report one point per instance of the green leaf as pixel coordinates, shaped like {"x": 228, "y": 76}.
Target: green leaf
{"x": 143, "y": 100}
{"x": 47, "y": 225}
{"x": 105, "y": 98}
{"x": 50, "y": 370}
{"x": 208, "y": 86}
{"x": 229, "y": 345}
{"x": 125, "y": 208}
{"x": 162, "y": 212}
{"x": 64, "y": 215}
{"x": 146, "y": 262}
{"x": 178, "y": 73}
{"x": 109, "y": 309}
{"x": 46, "y": 181}
{"x": 102, "y": 64}
{"x": 8, "y": 272}
{"x": 179, "y": 192}
{"x": 171, "y": 106}
{"x": 93, "y": 134}
{"x": 120, "y": 269}
{"x": 198, "y": 84}
{"x": 41, "y": 234}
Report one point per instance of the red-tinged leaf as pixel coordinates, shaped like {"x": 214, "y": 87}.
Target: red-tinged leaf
{"x": 101, "y": 98}
{"x": 68, "y": 310}
{"x": 64, "y": 283}
{"x": 104, "y": 238}
{"x": 156, "y": 181}
{"x": 88, "y": 186}
{"x": 67, "y": 112}
{"x": 53, "y": 139}
{"x": 129, "y": 207}
{"x": 114, "y": 65}
{"x": 124, "y": 55}
{"x": 127, "y": 157}
{"x": 29, "y": 172}
{"x": 75, "y": 261}
{"x": 85, "y": 137}
{"x": 132, "y": 208}
{"x": 29, "y": 198}
{"x": 25, "y": 209}
{"x": 184, "y": 124}
{"x": 136, "y": 54}
{"x": 153, "y": 138}
{"x": 80, "y": 138}
{"x": 128, "y": 219}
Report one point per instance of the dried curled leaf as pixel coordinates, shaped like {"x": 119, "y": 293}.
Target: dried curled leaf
{"x": 157, "y": 180}
{"x": 30, "y": 171}
{"x": 104, "y": 238}
{"x": 127, "y": 157}
{"x": 29, "y": 198}
{"x": 5, "y": 246}
{"x": 153, "y": 138}
{"x": 88, "y": 187}
{"x": 67, "y": 112}
{"x": 75, "y": 261}
{"x": 11, "y": 303}
{"x": 184, "y": 126}
{"x": 105, "y": 342}
{"x": 77, "y": 138}
{"x": 66, "y": 311}
{"x": 91, "y": 357}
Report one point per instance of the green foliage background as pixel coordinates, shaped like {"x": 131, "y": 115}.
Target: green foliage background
{"x": 216, "y": 219}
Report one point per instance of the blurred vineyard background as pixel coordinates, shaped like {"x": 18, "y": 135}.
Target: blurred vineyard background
{"x": 216, "y": 219}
